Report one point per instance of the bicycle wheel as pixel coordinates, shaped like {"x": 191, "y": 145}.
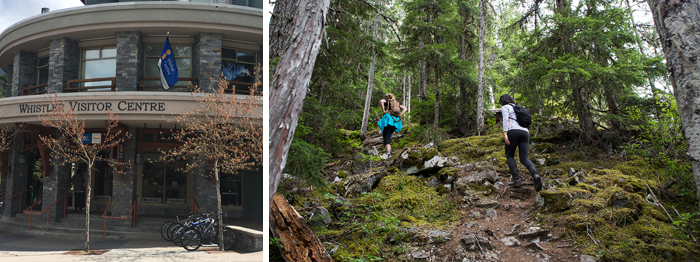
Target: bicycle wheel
{"x": 230, "y": 239}
{"x": 191, "y": 240}
{"x": 177, "y": 235}
{"x": 164, "y": 230}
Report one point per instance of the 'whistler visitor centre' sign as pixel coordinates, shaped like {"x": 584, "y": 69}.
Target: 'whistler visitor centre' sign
{"x": 94, "y": 107}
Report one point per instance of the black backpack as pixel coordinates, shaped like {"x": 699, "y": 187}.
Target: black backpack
{"x": 522, "y": 115}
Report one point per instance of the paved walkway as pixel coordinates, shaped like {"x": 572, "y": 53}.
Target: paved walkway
{"x": 24, "y": 248}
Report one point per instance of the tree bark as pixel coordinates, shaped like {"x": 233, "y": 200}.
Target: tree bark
{"x": 218, "y": 205}
{"x": 404, "y": 89}
{"x": 291, "y": 78}
{"x": 409, "y": 95}
{"x": 88, "y": 190}
{"x": 370, "y": 80}
{"x": 281, "y": 23}
{"x": 480, "y": 89}
{"x": 677, "y": 25}
{"x": 299, "y": 242}
{"x": 462, "y": 121}
{"x": 437, "y": 98}
{"x": 421, "y": 72}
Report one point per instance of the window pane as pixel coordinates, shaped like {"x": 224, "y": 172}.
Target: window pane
{"x": 183, "y": 67}
{"x": 151, "y": 66}
{"x": 237, "y": 72}
{"x": 230, "y": 189}
{"x": 181, "y": 50}
{"x": 246, "y": 56}
{"x": 228, "y": 53}
{"x": 153, "y": 182}
{"x": 44, "y": 61}
{"x": 109, "y": 52}
{"x": 153, "y": 50}
{"x": 99, "y": 69}
{"x": 175, "y": 184}
{"x": 43, "y": 76}
{"x": 91, "y": 53}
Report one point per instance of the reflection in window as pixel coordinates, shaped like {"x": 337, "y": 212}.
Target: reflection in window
{"x": 163, "y": 183}
{"x": 98, "y": 62}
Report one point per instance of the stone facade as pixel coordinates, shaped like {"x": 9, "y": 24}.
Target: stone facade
{"x": 64, "y": 62}
{"x": 16, "y": 180}
{"x": 206, "y": 60}
{"x": 24, "y": 73}
{"x": 8, "y": 84}
{"x": 129, "y": 52}
{"x": 204, "y": 191}
{"x": 124, "y": 189}
{"x": 55, "y": 186}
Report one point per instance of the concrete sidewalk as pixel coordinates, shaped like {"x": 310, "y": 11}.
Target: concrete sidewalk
{"x": 25, "y": 248}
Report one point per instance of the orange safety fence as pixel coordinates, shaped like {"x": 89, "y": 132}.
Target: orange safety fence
{"x": 134, "y": 210}
{"x": 20, "y": 198}
{"x": 195, "y": 208}
{"x": 32, "y": 213}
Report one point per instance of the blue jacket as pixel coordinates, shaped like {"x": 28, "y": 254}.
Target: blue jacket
{"x": 389, "y": 120}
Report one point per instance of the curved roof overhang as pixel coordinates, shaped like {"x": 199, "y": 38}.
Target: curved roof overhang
{"x": 180, "y": 19}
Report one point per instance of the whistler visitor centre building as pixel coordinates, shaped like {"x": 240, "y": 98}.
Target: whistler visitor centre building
{"x": 104, "y": 56}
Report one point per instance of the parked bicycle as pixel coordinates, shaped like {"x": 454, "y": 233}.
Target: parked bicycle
{"x": 192, "y": 232}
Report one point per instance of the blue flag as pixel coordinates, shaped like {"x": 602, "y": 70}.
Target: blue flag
{"x": 167, "y": 66}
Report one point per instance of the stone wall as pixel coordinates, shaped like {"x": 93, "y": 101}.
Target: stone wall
{"x": 124, "y": 189}
{"x": 64, "y": 62}
{"x": 206, "y": 60}
{"x": 16, "y": 180}
{"x": 129, "y": 53}
{"x": 24, "y": 71}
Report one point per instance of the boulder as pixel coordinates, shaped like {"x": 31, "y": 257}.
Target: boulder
{"x": 554, "y": 201}
{"x": 487, "y": 203}
{"x": 320, "y": 217}
{"x": 470, "y": 241}
{"x": 364, "y": 182}
{"x": 510, "y": 241}
{"x": 478, "y": 176}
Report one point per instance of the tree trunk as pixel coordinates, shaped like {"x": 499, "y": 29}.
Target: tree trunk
{"x": 218, "y": 205}
{"x": 409, "y": 95}
{"x": 462, "y": 121}
{"x": 291, "y": 79}
{"x": 421, "y": 72}
{"x": 88, "y": 190}
{"x": 480, "y": 90}
{"x": 677, "y": 24}
{"x": 370, "y": 80}
{"x": 639, "y": 45}
{"x": 437, "y": 98}
{"x": 281, "y": 23}
{"x": 404, "y": 90}
{"x": 299, "y": 242}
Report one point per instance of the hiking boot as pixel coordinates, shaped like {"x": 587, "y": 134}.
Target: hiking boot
{"x": 515, "y": 182}
{"x": 538, "y": 182}
{"x": 388, "y": 154}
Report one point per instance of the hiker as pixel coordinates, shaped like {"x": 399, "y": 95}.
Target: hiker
{"x": 516, "y": 136}
{"x": 78, "y": 182}
{"x": 391, "y": 121}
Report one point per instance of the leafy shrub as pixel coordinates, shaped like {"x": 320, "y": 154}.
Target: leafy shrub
{"x": 305, "y": 161}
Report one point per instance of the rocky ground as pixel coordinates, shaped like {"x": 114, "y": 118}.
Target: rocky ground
{"x": 448, "y": 202}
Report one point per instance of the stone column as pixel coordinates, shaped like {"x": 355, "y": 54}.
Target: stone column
{"x": 204, "y": 191}
{"x": 129, "y": 53}
{"x": 124, "y": 189}
{"x": 16, "y": 180}
{"x": 55, "y": 186}
{"x": 24, "y": 71}
{"x": 206, "y": 60}
{"x": 8, "y": 84}
{"x": 64, "y": 61}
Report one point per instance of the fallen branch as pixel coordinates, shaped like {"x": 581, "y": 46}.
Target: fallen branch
{"x": 657, "y": 201}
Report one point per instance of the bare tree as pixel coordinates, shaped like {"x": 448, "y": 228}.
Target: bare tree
{"x": 677, "y": 24}
{"x": 226, "y": 130}
{"x": 370, "y": 80}
{"x": 480, "y": 90}
{"x": 68, "y": 146}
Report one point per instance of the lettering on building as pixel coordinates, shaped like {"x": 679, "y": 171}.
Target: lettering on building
{"x": 121, "y": 106}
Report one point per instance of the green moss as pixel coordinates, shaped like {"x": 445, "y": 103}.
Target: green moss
{"x": 429, "y": 154}
{"x": 633, "y": 168}
{"x": 342, "y": 174}
{"x": 474, "y": 148}
{"x": 407, "y": 218}
{"x": 555, "y": 201}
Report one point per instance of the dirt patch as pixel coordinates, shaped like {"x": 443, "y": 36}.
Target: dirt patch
{"x": 81, "y": 252}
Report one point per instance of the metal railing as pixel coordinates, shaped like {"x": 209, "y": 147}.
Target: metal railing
{"x": 32, "y": 213}
{"x": 143, "y": 86}
{"x": 134, "y": 210}
{"x": 20, "y": 198}
{"x": 195, "y": 208}
{"x": 35, "y": 90}
{"x": 1, "y": 196}
{"x": 71, "y": 88}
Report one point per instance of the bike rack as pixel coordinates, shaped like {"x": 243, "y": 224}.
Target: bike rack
{"x": 195, "y": 208}
{"x": 32, "y": 213}
{"x": 134, "y": 209}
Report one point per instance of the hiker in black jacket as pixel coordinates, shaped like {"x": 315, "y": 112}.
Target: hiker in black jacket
{"x": 516, "y": 136}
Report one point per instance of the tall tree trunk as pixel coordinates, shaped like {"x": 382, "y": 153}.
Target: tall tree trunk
{"x": 370, "y": 80}
{"x": 677, "y": 24}
{"x": 583, "y": 110}
{"x": 291, "y": 77}
{"x": 218, "y": 205}
{"x": 421, "y": 71}
{"x": 480, "y": 89}
{"x": 437, "y": 98}
{"x": 88, "y": 191}
{"x": 639, "y": 45}
{"x": 462, "y": 121}
{"x": 409, "y": 95}
{"x": 404, "y": 90}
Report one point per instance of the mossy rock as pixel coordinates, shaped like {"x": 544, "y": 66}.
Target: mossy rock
{"x": 342, "y": 174}
{"x": 555, "y": 201}
{"x": 474, "y": 148}
{"x": 407, "y": 218}
{"x": 429, "y": 153}
{"x": 542, "y": 148}
{"x": 633, "y": 168}
{"x": 444, "y": 173}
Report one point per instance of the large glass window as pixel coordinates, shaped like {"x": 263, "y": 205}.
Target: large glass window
{"x": 98, "y": 62}
{"x": 102, "y": 175}
{"x": 230, "y": 186}
{"x": 183, "y": 60}
{"x": 163, "y": 182}
{"x": 238, "y": 65}
{"x": 42, "y": 70}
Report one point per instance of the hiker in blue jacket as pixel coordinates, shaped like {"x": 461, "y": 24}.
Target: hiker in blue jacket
{"x": 516, "y": 136}
{"x": 391, "y": 121}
